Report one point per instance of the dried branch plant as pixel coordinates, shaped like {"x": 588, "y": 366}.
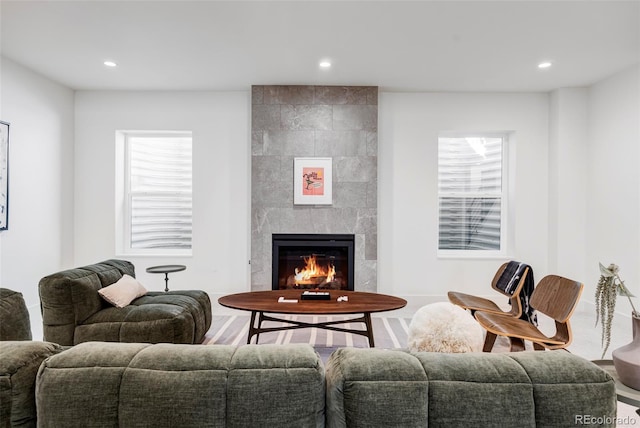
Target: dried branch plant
{"x": 609, "y": 286}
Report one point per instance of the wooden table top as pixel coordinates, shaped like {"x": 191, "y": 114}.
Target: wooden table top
{"x": 267, "y": 301}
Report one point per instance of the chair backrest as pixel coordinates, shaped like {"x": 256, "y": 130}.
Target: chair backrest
{"x": 556, "y": 297}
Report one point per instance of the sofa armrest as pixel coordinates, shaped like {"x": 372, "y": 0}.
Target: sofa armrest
{"x": 19, "y": 364}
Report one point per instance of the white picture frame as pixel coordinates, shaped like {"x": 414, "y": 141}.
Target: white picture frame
{"x": 312, "y": 181}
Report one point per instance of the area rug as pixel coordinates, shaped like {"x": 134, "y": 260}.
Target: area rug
{"x": 388, "y": 332}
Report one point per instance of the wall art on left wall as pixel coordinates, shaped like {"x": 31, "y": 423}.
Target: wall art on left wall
{"x": 4, "y": 175}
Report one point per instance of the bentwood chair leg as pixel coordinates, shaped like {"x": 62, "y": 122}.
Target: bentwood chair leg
{"x": 489, "y": 340}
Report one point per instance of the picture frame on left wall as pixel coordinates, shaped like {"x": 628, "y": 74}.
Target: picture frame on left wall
{"x": 4, "y": 175}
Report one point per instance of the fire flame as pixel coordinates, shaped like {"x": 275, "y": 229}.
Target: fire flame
{"x": 313, "y": 273}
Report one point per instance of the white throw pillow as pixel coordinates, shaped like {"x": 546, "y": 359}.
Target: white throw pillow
{"x": 123, "y": 292}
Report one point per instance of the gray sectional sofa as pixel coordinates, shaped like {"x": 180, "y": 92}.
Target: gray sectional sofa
{"x": 166, "y": 385}
{"x": 73, "y": 311}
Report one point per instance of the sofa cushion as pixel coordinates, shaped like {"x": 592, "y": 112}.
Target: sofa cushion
{"x": 372, "y": 387}
{"x": 150, "y": 323}
{"x": 472, "y": 386}
{"x": 120, "y": 384}
{"x": 175, "y": 317}
{"x": 276, "y": 386}
{"x": 14, "y": 316}
{"x": 196, "y": 302}
{"x": 19, "y": 363}
{"x": 561, "y": 384}
{"x": 123, "y": 292}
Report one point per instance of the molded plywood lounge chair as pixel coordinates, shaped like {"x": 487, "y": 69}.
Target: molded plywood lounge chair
{"x": 508, "y": 280}
{"x": 554, "y": 296}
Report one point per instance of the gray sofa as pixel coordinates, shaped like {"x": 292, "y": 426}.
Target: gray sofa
{"x": 14, "y": 316}
{"x": 73, "y": 311}
{"x": 118, "y": 384}
{"x": 20, "y": 359}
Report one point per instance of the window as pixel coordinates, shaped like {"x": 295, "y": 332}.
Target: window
{"x": 471, "y": 194}
{"x": 157, "y": 199}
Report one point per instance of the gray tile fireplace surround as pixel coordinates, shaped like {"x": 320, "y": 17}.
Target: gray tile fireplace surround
{"x": 340, "y": 122}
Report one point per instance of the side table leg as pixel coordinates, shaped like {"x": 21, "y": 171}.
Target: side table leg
{"x": 166, "y": 282}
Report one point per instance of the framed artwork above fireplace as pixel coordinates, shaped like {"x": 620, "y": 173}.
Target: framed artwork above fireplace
{"x": 312, "y": 180}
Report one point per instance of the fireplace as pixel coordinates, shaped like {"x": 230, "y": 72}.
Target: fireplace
{"x": 313, "y": 261}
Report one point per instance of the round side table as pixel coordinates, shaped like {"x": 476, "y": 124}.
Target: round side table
{"x": 166, "y": 270}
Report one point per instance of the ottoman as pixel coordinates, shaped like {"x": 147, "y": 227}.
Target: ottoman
{"x": 444, "y": 327}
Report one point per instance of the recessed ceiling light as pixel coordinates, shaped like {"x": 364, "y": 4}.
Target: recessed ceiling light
{"x": 325, "y": 64}
{"x": 110, "y": 63}
{"x": 545, "y": 64}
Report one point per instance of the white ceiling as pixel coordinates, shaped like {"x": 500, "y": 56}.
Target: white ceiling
{"x": 399, "y": 46}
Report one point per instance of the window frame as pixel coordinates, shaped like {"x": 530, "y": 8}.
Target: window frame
{"x": 124, "y": 195}
{"x": 506, "y": 137}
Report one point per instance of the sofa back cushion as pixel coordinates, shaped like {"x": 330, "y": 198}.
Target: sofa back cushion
{"x": 69, "y": 297}
{"x": 14, "y": 316}
{"x": 392, "y": 388}
{"x": 133, "y": 384}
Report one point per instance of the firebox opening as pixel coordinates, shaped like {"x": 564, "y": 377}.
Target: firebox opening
{"x": 302, "y": 261}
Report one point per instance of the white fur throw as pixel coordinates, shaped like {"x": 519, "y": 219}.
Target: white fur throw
{"x": 444, "y": 327}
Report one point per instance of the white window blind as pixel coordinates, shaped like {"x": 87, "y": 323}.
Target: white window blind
{"x": 470, "y": 193}
{"x": 159, "y": 197}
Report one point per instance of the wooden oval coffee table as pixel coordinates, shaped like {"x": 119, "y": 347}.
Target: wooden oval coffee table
{"x": 261, "y": 302}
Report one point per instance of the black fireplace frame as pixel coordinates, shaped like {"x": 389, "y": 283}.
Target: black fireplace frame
{"x": 320, "y": 240}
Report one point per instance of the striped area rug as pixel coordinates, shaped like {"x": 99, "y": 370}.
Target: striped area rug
{"x": 233, "y": 330}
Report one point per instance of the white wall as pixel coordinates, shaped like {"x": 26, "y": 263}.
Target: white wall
{"x": 409, "y": 124}
{"x": 38, "y": 240}
{"x": 221, "y": 150}
{"x": 568, "y": 194}
{"x": 567, "y": 183}
{"x": 613, "y": 208}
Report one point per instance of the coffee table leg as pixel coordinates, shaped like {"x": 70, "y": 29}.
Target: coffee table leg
{"x": 260, "y": 319}
{"x": 251, "y": 328}
{"x": 367, "y": 323}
